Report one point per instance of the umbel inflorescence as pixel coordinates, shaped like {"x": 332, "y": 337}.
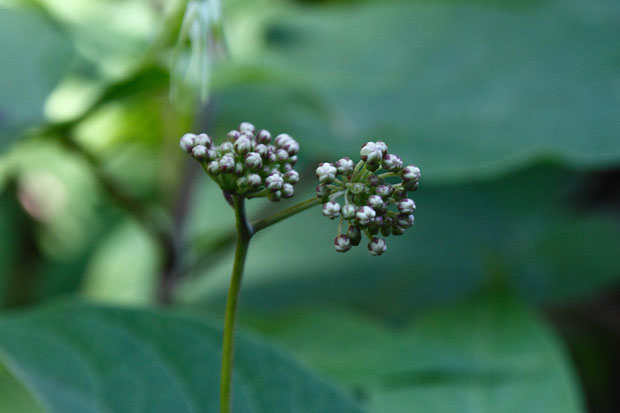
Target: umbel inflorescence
{"x": 248, "y": 163}
{"x": 373, "y": 202}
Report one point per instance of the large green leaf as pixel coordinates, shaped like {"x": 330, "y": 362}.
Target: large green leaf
{"x": 488, "y": 354}
{"x": 83, "y": 358}
{"x": 35, "y": 55}
{"x": 522, "y": 228}
{"x": 464, "y": 89}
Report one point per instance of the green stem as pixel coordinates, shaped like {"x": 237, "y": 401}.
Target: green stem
{"x": 244, "y": 234}
{"x": 279, "y": 216}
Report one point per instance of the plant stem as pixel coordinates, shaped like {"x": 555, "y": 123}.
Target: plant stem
{"x": 279, "y": 216}
{"x": 244, "y": 234}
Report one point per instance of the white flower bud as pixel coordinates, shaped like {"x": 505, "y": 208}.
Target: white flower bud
{"x": 239, "y": 169}
{"x": 322, "y": 191}
{"x": 410, "y": 173}
{"x": 292, "y": 160}
{"x": 404, "y": 220}
{"x": 342, "y": 243}
{"x": 331, "y": 209}
{"x": 187, "y": 142}
{"x": 281, "y": 139}
{"x": 406, "y": 206}
{"x": 357, "y": 188}
{"x": 262, "y": 150}
{"x": 254, "y": 181}
{"x": 370, "y": 153}
{"x": 204, "y": 140}
{"x": 281, "y": 155}
{"x": 290, "y": 146}
{"x": 287, "y": 190}
{"x": 253, "y": 160}
{"x": 213, "y": 167}
{"x": 292, "y": 177}
{"x": 199, "y": 153}
{"x": 364, "y": 215}
{"x": 345, "y": 166}
{"x": 349, "y": 211}
{"x": 376, "y": 202}
{"x": 227, "y": 163}
{"x": 377, "y": 246}
{"x": 243, "y": 145}
{"x": 242, "y": 183}
{"x": 384, "y": 190}
{"x": 247, "y": 127}
{"x": 225, "y": 147}
{"x": 392, "y": 162}
{"x": 233, "y": 135}
{"x": 263, "y": 136}
{"x": 355, "y": 234}
{"x": 326, "y": 173}
{"x": 382, "y": 147}
{"x": 274, "y": 181}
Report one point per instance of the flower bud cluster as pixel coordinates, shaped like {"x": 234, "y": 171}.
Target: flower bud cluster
{"x": 375, "y": 195}
{"x": 248, "y": 163}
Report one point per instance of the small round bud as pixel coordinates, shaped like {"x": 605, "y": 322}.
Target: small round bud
{"x": 374, "y": 181}
{"x": 348, "y": 211}
{"x": 376, "y": 202}
{"x": 213, "y": 167}
{"x": 243, "y": 145}
{"x": 274, "y": 182}
{"x": 411, "y": 185}
{"x": 292, "y": 160}
{"x": 263, "y": 136}
{"x": 404, "y": 220}
{"x": 204, "y": 140}
{"x": 253, "y": 160}
{"x": 225, "y": 147}
{"x": 322, "y": 191}
{"x": 355, "y": 234}
{"x": 364, "y": 215}
{"x": 247, "y": 127}
{"x": 287, "y": 190}
{"x": 274, "y": 196}
{"x": 370, "y": 153}
{"x": 406, "y": 206}
{"x": 326, "y": 173}
{"x": 233, "y": 135}
{"x": 254, "y": 181}
{"x": 292, "y": 177}
{"x": 410, "y": 173}
{"x": 331, "y": 209}
{"x": 382, "y": 147}
{"x": 377, "y": 246}
{"x": 262, "y": 150}
{"x": 384, "y": 191}
{"x": 281, "y": 155}
{"x": 342, "y": 243}
{"x": 392, "y": 162}
{"x": 227, "y": 163}
{"x": 357, "y": 188}
{"x": 242, "y": 183}
{"x": 199, "y": 153}
{"x": 187, "y": 142}
{"x": 281, "y": 140}
{"x": 399, "y": 194}
{"x": 239, "y": 169}
{"x": 344, "y": 166}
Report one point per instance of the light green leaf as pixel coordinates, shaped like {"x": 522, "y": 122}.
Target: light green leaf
{"x": 487, "y": 354}
{"x": 465, "y": 89}
{"x": 35, "y": 55}
{"x": 81, "y": 358}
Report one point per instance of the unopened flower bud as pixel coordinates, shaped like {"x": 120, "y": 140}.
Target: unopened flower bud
{"x": 331, "y": 209}
{"x": 326, "y": 173}
{"x": 404, "y": 220}
{"x": 384, "y": 191}
{"x": 376, "y": 202}
{"x": 411, "y": 185}
{"x": 382, "y": 147}
{"x": 225, "y": 147}
{"x": 281, "y": 139}
{"x": 274, "y": 181}
{"x": 364, "y": 215}
{"x": 357, "y": 188}
{"x": 392, "y": 162}
{"x": 227, "y": 163}
{"x": 204, "y": 140}
{"x": 239, "y": 169}
{"x": 233, "y": 135}
{"x": 370, "y": 153}
{"x": 292, "y": 177}
{"x": 247, "y": 127}
{"x": 213, "y": 167}
{"x": 199, "y": 153}
{"x": 287, "y": 190}
{"x": 377, "y": 246}
{"x": 406, "y": 206}
{"x": 187, "y": 142}
{"x": 281, "y": 155}
{"x": 345, "y": 166}
{"x": 274, "y": 196}
{"x": 355, "y": 234}
{"x": 410, "y": 173}
{"x": 373, "y": 181}
{"x": 253, "y": 160}
{"x": 263, "y": 136}
{"x": 242, "y": 183}
{"x": 342, "y": 243}
{"x": 292, "y": 160}
{"x": 322, "y": 191}
{"x": 254, "y": 181}
{"x": 399, "y": 194}
{"x": 348, "y": 211}
{"x": 243, "y": 145}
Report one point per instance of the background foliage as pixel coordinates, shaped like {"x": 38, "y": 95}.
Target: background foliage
{"x": 503, "y": 298}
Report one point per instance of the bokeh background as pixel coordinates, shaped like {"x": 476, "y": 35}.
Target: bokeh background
{"x": 503, "y": 297}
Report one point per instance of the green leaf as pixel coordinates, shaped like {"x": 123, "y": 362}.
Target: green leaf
{"x": 462, "y": 89}
{"x": 76, "y": 357}
{"x": 35, "y": 55}
{"x": 14, "y": 397}
{"x": 487, "y": 354}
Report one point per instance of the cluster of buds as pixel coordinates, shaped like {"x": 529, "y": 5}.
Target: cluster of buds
{"x": 368, "y": 196}
{"x": 248, "y": 163}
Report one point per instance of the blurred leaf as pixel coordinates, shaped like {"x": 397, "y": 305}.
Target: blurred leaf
{"x": 488, "y": 354}
{"x": 14, "y": 397}
{"x": 465, "y": 236}
{"x": 35, "y": 55}
{"x": 463, "y": 90}
{"x": 82, "y": 358}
